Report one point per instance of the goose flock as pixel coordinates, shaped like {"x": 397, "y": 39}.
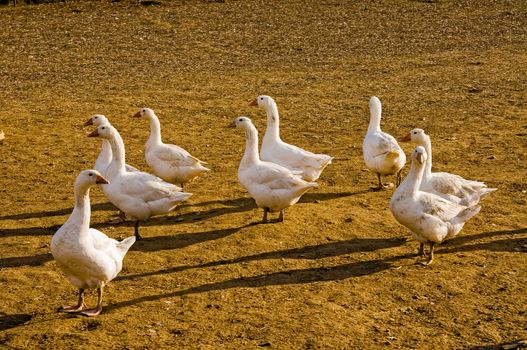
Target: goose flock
{"x": 433, "y": 206}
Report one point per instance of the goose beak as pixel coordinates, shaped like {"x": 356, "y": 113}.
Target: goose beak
{"x": 94, "y": 133}
{"x": 231, "y": 125}
{"x": 406, "y": 138}
{"x": 137, "y": 115}
{"x": 101, "y": 180}
{"x": 254, "y": 103}
{"x": 88, "y": 122}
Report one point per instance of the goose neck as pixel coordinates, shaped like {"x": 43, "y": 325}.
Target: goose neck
{"x": 81, "y": 211}
{"x": 427, "y": 144}
{"x": 155, "y": 131}
{"x": 273, "y": 121}
{"x": 105, "y": 156}
{"x": 250, "y": 155}
{"x": 415, "y": 177}
{"x": 374, "y": 125}
{"x": 118, "y": 154}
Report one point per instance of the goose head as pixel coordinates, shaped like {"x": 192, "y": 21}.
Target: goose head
{"x": 88, "y": 178}
{"x": 419, "y": 155}
{"x": 105, "y": 131}
{"x": 263, "y": 101}
{"x": 242, "y": 122}
{"x": 416, "y": 136}
{"x": 144, "y": 113}
{"x": 97, "y": 119}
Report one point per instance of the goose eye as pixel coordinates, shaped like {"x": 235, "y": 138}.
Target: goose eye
{"x": 103, "y": 128}
{"x": 90, "y": 174}
{"x": 261, "y": 98}
{"x": 96, "y": 117}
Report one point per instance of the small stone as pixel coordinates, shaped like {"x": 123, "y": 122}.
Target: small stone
{"x": 491, "y": 157}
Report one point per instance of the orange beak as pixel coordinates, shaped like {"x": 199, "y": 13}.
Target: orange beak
{"x": 254, "y": 103}
{"x": 88, "y": 122}
{"x": 101, "y": 180}
{"x": 406, "y": 138}
{"x": 94, "y": 133}
{"x": 137, "y": 115}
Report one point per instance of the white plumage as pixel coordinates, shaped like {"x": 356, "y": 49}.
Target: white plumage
{"x": 381, "y": 151}
{"x": 139, "y": 195}
{"x": 430, "y": 218}
{"x": 308, "y": 164}
{"x": 449, "y": 186}
{"x": 105, "y": 155}
{"x": 170, "y": 162}
{"x": 88, "y": 257}
{"x": 272, "y": 186}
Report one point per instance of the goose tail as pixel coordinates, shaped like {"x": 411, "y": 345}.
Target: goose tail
{"x": 125, "y": 245}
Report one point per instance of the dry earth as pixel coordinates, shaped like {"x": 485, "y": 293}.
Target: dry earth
{"x": 339, "y": 273}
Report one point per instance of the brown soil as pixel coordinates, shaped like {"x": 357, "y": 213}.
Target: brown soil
{"x": 339, "y": 272}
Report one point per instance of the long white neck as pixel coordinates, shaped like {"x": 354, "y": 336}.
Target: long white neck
{"x": 273, "y": 122}
{"x": 155, "y": 131}
{"x": 104, "y": 158}
{"x": 375, "y": 115}
{"x": 427, "y": 144}
{"x": 117, "y": 166}
{"x": 250, "y": 156}
{"x": 375, "y": 123}
{"x": 413, "y": 180}
{"x": 81, "y": 211}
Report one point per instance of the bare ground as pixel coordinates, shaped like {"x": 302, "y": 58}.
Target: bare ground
{"x": 339, "y": 272}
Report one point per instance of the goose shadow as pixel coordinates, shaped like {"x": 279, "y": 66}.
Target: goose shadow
{"x": 309, "y": 252}
{"x": 311, "y": 197}
{"x": 12, "y": 321}
{"x": 107, "y": 206}
{"x": 33, "y": 260}
{"x": 58, "y": 212}
{"x": 147, "y": 244}
{"x": 299, "y": 276}
{"x": 459, "y": 244}
{"x": 178, "y": 241}
{"x": 232, "y": 206}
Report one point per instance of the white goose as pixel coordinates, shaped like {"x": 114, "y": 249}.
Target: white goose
{"x": 139, "y": 195}
{"x": 170, "y": 162}
{"x": 309, "y": 164}
{"x": 430, "y": 218}
{"x": 446, "y": 185}
{"x": 105, "y": 156}
{"x": 381, "y": 151}
{"x": 88, "y": 257}
{"x": 272, "y": 186}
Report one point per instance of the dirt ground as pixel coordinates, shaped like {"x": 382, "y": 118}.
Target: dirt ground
{"x": 339, "y": 272}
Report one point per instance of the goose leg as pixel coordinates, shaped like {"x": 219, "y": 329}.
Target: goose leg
{"x": 75, "y": 308}
{"x": 399, "y": 177}
{"x": 430, "y": 255}
{"x": 181, "y": 185}
{"x": 264, "y": 220}
{"x": 281, "y": 216}
{"x": 136, "y": 231}
{"x": 380, "y": 187}
{"x": 97, "y": 310}
{"x": 421, "y": 251}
